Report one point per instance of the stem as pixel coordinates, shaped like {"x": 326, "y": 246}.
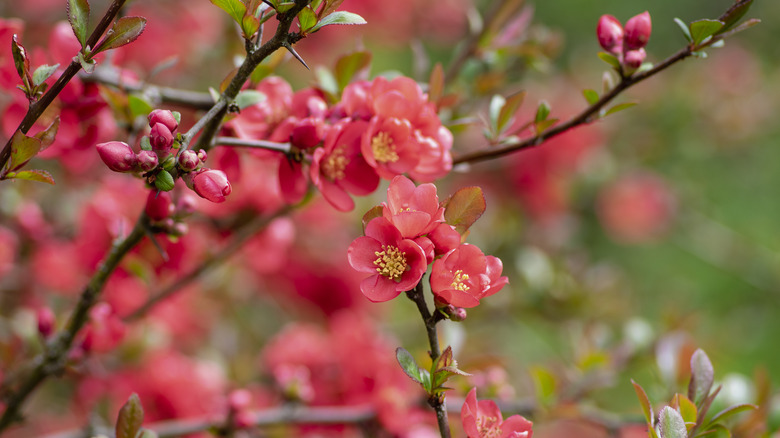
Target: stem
{"x": 437, "y": 402}
{"x": 255, "y": 144}
{"x": 37, "y": 108}
{"x": 54, "y": 358}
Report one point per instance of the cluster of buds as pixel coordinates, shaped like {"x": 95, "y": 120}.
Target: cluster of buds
{"x": 626, "y": 43}
{"x": 166, "y": 215}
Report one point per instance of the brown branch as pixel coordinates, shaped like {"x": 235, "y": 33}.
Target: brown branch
{"x": 254, "y": 144}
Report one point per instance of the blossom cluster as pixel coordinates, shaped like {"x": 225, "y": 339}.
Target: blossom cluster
{"x": 627, "y": 43}
{"x": 379, "y": 129}
{"x": 409, "y": 233}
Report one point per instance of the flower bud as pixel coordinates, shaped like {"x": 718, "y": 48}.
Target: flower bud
{"x": 188, "y": 160}
{"x": 307, "y": 133}
{"x": 186, "y": 205}
{"x": 164, "y": 117}
{"x": 634, "y": 59}
{"x": 239, "y": 399}
{"x": 117, "y": 155}
{"x": 456, "y": 314}
{"x": 211, "y": 184}
{"x": 46, "y": 321}
{"x": 202, "y": 155}
{"x": 161, "y": 139}
{"x": 610, "y": 33}
{"x": 159, "y": 205}
{"x": 147, "y": 160}
{"x": 638, "y": 30}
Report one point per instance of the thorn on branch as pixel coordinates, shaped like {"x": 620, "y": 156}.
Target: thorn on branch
{"x": 296, "y": 55}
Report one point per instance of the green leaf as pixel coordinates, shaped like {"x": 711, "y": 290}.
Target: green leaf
{"x": 464, "y": 207}
{"x": 48, "y": 135}
{"x": 146, "y": 145}
{"x": 508, "y": 110}
{"x": 703, "y": 29}
{"x": 734, "y": 14}
{"x": 671, "y": 424}
{"x": 647, "y": 409}
{"x": 146, "y": 433}
{"x": 544, "y": 382}
{"x": 21, "y": 62}
{"x": 249, "y": 25}
{"x": 164, "y": 181}
{"x": 307, "y": 19}
{"x": 284, "y": 7}
{"x": 619, "y": 107}
{"x": 23, "y": 148}
{"x": 610, "y": 59}
{"x": 496, "y": 103}
{"x": 130, "y": 418}
{"x": 544, "y": 125}
{"x": 684, "y": 28}
{"x": 78, "y": 16}
{"x": 591, "y": 96}
{"x": 372, "y": 214}
{"x": 715, "y": 431}
{"x": 349, "y": 65}
{"x": 124, "y": 31}
{"x": 338, "y": 17}
{"x": 702, "y": 376}
{"x": 436, "y": 83}
{"x": 138, "y": 105}
{"x": 235, "y": 8}
{"x": 87, "y": 64}
{"x": 408, "y": 364}
{"x": 42, "y": 73}
{"x": 687, "y": 408}
{"x": 247, "y": 98}
{"x": 32, "y": 175}
{"x": 542, "y": 112}
{"x": 730, "y": 412}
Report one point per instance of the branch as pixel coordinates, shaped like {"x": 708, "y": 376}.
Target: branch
{"x": 36, "y": 109}
{"x": 53, "y": 359}
{"x": 255, "y": 144}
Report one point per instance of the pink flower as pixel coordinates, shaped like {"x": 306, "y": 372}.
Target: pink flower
{"x": 117, "y": 155}
{"x": 637, "y": 208}
{"x": 212, "y": 184}
{"x": 483, "y": 419}
{"x": 465, "y": 275}
{"x": 413, "y": 210}
{"x": 338, "y": 169}
{"x": 394, "y": 264}
{"x": 638, "y": 30}
{"x": 609, "y": 32}
{"x": 389, "y": 147}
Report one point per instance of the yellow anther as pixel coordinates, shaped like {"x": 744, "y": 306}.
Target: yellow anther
{"x": 458, "y": 281}
{"x": 384, "y": 148}
{"x": 390, "y": 262}
{"x": 333, "y": 167}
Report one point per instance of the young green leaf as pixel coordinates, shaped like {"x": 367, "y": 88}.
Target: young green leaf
{"x": 23, "y": 148}
{"x": 249, "y": 25}
{"x": 247, "y": 98}
{"x": 684, "y": 28}
{"x": 609, "y": 59}
{"x": 138, "y": 105}
{"x": 330, "y": 7}
{"x": 671, "y": 424}
{"x": 32, "y": 175}
{"x": 496, "y": 103}
{"x": 619, "y": 107}
{"x": 235, "y": 8}
{"x": 307, "y": 19}
{"x": 124, "y": 31}
{"x": 42, "y": 73}
{"x": 87, "y": 64}
{"x": 21, "y": 62}
{"x": 408, "y": 364}
{"x": 542, "y": 112}
{"x": 464, "y": 207}
{"x": 130, "y": 418}
{"x": 338, "y": 17}
{"x": 703, "y": 29}
{"x": 702, "y": 376}
{"x": 78, "y": 16}
{"x": 591, "y": 96}
{"x": 729, "y": 412}
{"x": 349, "y": 65}
{"x": 164, "y": 181}
{"x": 734, "y": 14}
{"x": 48, "y": 135}
{"x": 687, "y": 408}
{"x": 508, "y": 110}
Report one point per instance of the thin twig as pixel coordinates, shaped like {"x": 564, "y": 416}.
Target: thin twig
{"x": 254, "y": 144}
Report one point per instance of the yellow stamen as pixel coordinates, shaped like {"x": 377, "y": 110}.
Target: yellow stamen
{"x": 458, "y": 281}
{"x": 334, "y": 165}
{"x": 390, "y": 262}
{"x": 384, "y": 148}
{"x": 488, "y": 427}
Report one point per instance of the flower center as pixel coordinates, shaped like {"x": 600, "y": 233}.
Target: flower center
{"x": 488, "y": 427}
{"x": 390, "y": 262}
{"x": 458, "y": 281}
{"x": 384, "y": 148}
{"x": 334, "y": 165}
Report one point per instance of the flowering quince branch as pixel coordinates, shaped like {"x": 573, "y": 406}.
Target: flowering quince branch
{"x": 37, "y": 108}
{"x": 57, "y": 348}
{"x": 629, "y": 71}
{"x": 256, "y": 144}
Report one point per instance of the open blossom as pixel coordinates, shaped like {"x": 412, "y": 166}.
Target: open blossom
{"x": 483, "y": 419}
{"x": 389, "y": 147}
{"x": 465, "y": 275}
{"x": 394, "y": 264}
{"x": 413, "y": 210}
{"x": 339, "y": 170}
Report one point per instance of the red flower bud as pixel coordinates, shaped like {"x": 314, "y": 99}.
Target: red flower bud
{"x": 188, "y": 160}
{"x": 159, "y": 205}
{"x": 46, "y": 321}
{"x": 211, "y": 184}
{"x": 147, "y": 160}
{"x": 202, "y": 155}
{"x": 610, "y": 33}
{"x": 164, "y": 117}
{"x": 118, "y": 156}
{"x": 186, "y": 204}
{"x": 161, "y": 139}
{"x": 638, "y": 30}
{"x": 634, "y": 59}
{"x": 239, "y": 399}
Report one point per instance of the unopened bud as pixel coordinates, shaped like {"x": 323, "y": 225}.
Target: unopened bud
{"x": 456, "y": 314}
{"x": 239, "y": 399}
{"x": 178, "y": 229}
{"x": 202, "y": 155}
{"x": 186, "y": 205}
{"x": 211, "y": 184}
{"x": 147, "y": 160}
{"x": 638, "y": 30}
{"x": 46, "y": 321}
{"x": 159, "y": 205}
{"x": 634, "y": 59}
{"x": 610, "y": 33}
{"x": 161, "y": 139}
{"x": 188, "y": 160}
{"x": 164, "y": 117}
{"x": 117, "y": 155}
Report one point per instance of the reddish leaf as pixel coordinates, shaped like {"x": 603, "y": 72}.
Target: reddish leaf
{"x": 372, "y": 214}
{"x": 78, "y": 16}
{"x": 47, "y": 136}
{"x": 436, "y": 83}
{"x": 32, "y": 175}
{"x": 349, "y": 65}
{"x": 124, "y": 31}
{"x": 464, "y": 207}
{"x": 130, "y": 419}
{"x": 23, "y": 148}
{"x": 647, "y": 409}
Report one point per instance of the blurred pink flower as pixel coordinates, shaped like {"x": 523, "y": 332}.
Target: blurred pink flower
{"x": 483, "y": 419}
